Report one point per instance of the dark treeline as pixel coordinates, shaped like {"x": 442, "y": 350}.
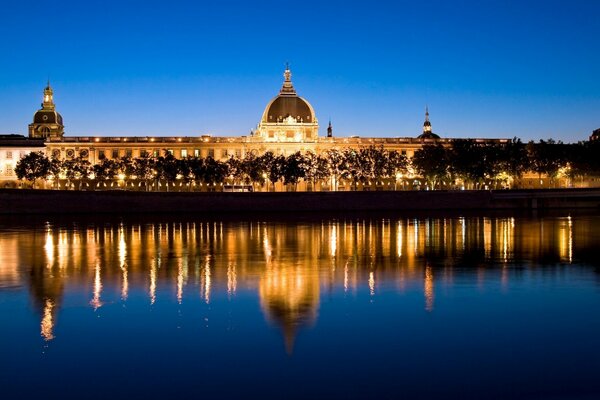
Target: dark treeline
{"x": 466, "y": 163}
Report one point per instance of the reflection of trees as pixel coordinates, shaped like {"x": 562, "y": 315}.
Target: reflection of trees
{"x": 289, "y": 264}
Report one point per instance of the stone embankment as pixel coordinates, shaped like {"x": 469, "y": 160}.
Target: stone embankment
{"x": 16, "y": 201}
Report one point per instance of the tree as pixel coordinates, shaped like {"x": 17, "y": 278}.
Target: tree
{"x": 546, "y": 157}
{"x": 215, "y": 171}
{"x": 293, "y": 169}
{"x": 32, "y": 167}
{"x": 143, "y": 169}
{"x": 431, "y": 162}
{"x": 105, "y": 170}
{"x": 337, "y": 164}
{"x": 468, "y": 160}
{"x": 76, "y": 169}
{"x": 167, "y": 168}
{"x": 315, "y": 167}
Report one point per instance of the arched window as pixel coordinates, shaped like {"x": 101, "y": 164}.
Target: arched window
{"x": 45, "y": 131}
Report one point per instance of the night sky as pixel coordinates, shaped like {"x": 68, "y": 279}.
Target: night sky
{"x": 485, "y": 68}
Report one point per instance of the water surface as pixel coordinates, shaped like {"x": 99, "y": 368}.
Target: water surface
{"x": 464, "y": 307}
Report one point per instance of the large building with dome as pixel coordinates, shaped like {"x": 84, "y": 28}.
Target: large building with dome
{"x": 288, "y": 124}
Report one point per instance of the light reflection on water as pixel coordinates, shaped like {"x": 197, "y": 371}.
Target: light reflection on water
{"x": 292, "y": 269}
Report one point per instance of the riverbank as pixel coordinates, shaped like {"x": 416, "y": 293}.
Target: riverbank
{"x": 24, "y": 201}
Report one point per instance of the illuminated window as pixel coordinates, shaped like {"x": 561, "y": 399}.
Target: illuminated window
{"x": 196, "y": 152}
{"x": 155, "y": 153}
{"x": 170, "y": 151}
{"x": 184, "y": 153}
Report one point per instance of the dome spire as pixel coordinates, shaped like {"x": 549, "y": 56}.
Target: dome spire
{"x": 427, "y": 124}
{"x": 288, "y": 88}
{"x": 48, "y": 103}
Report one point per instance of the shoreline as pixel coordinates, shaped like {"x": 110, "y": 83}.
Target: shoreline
{"x": 29, "y": 201}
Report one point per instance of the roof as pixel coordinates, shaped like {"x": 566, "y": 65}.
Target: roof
{"x": 20, "y": 141}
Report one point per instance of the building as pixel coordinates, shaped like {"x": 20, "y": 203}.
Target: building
{"x": 288, "y": 124}
{"x": 12, "y": 148}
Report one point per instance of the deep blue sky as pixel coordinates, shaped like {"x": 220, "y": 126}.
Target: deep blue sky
{"x": 486, "y": 68}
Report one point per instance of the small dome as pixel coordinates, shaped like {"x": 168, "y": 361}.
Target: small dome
{"x": 428, "y": 135}
{"x": 47, "y": 117}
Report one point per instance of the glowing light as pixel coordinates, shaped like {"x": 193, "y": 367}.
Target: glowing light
{"x": 96, "y": 302}
{"x": 153, "y": 282}
{"x": 231, "y": 279}
{"x": 333, "y": 241}
{"x": 428, "y": 289}
{"x": 47, "y": 324}
{"x": 372, "y": 283}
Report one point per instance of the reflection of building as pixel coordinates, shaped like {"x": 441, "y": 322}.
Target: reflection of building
{"x": 289, "y": 296}
{"x": 288, "y": 267}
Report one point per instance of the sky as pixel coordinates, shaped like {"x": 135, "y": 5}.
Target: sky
{"x": 490, "y": 69}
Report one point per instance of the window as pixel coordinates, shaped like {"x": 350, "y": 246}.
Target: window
{"x": 403, "y": 152}
{"x": 196, "y": 152}
{"x": 170, "y": 151}
{"x": 184, "y": 153}
{"x": 9, "y": 155}
{"x": 143, "y": 153}
{"x": 155, "y": 153}
{"x": 101, "y": 155}
{"x": 115, "y": 153}
{"x": 238, "y": 153}
{"x": 128, "y": 153}
{"x": 211, "y": 153}
{"x": 224, "y": 153}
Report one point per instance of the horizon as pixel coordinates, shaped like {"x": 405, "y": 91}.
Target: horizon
{"x": 492, "y": 70}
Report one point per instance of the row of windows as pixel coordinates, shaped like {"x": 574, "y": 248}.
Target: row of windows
{"x": 180, "y": 153}
{"x": 10, "y": 154}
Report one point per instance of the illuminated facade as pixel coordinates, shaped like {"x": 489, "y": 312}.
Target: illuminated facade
{"x": 288, "y": 124}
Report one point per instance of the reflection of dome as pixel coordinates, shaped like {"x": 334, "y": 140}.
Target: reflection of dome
{"x": 289, "y": 297}
{"x": 288, "y": 104}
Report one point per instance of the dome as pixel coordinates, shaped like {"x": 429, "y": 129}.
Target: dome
{"x": 428, "y": 135}
{"x": 283, "y": 107}
{"x": 47, "y": 117}
{"x": 288, "y": 104}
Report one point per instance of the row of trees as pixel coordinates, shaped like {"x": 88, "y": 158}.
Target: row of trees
{"x": 357, "y": 166}
{"x": 471, "y": 163}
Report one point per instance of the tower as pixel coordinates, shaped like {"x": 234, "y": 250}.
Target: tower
{"x": 288, "y": 117}
{"x": 329, "y": 130}
{"x": 427, "y": 133}
{"x": 47, "y": 122}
